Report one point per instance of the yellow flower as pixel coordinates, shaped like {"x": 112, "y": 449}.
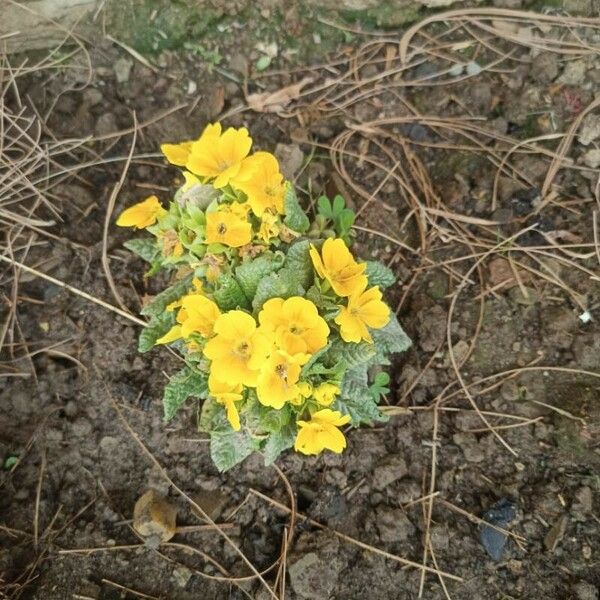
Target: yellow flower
{"x": 276, "y": 383}
{"x": 197, "y": 288}
{"x": 321, "y": 433}
{"x": 365, "y": 309}
{"x": 260, "y": 179}
{"x": 219, "y": 155}
{"x": 238, "y": 350}
{"x": 295, "y": 324}
{"x": 198, "y": 314}
{"x": 337, "y": 265}
{"x": 325, "y": 393}
{"x": 269, "y": 227}
{"x": 226, "y": 394}
{"x": 225, "y": 227}
{"x": 304, "y": 391}
{"x": 142, "y": 215}
{"x": 179, "y": 154}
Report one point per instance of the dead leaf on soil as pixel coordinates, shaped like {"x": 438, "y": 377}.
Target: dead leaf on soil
{"x": 154, "y": 518}
{"x": 277, "y": 101}
{"x": 556, "y": 534}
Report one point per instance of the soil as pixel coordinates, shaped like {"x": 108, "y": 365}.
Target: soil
{"x": 81, "y": 470}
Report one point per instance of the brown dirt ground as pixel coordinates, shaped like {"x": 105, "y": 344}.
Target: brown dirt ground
{"x": 60, "y": 417}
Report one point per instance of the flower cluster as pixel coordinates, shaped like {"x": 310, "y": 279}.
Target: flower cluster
{"x": 279, "y": 325}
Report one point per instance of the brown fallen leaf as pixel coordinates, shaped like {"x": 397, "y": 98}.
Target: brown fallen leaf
{"x": 154, "y": 518}
{"x": 556, "y": 534}
{"x": 276, "y": 101}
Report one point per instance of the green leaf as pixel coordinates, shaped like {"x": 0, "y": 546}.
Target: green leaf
{"x": 299, "y": 262}
{"x": 228, "y": 448}
{"x": 145, "y": 248}
{"x": 350, "y": 353}
{"x": 181, "y": 386}
{"x": 345, "y": 220}
{"x": 391, "y": 338}
{"x": 282, "y": 284}
{"x": 356, "y": 398}
{"x": 278, "y": 442}
{"x": 324, "y": 207}
{"x": 10, "y": 461}
{"x": 159, "y": 303}
{"x": 229, "y": 295}
{"x": 379, "y": 274}
{"x": 250, "y": 273}
{"x": 338, "y": 205}
{"x": 295, "y": 217}
{"x": 156, "y": 328}
{"x": 263, "y": 62}
{"x": 307, "y": 368}
{"x": 212, "y": 417}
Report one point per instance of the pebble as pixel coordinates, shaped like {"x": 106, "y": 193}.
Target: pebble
{"x": 106, "y": 124}
{"x": 586, "y": 591}
{"x": 590, "y": 129}
{"x": 573, "y": 73}
{"x": 290, "y": 159}
{"x": 393, "y": 525}
{"x": 122, "y": 69}
{"x": 544, "y": 67}
{"x": 92, "y": 96}
{"x": 388, "y": 472}
{"x": 500, "y": 514}
{"x": 313, "y": 578}
{"x": 592, "y": 158}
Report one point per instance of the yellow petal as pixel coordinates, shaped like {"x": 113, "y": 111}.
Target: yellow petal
{"x": 142, "y": 215}
{"x": 177, "y": 154}
{"x": 173, "y": 334}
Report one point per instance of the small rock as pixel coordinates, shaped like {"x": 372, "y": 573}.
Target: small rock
{"x": 154, "y": 518}
{"x": 388, "y": 472}
{"x": 393, "y": 525}
{"x": 106, "y": 124}
{"x": 82, "y": 427}
{"x": 470, "y": 447}
{"x": 92, "y": 97}
{"x": 290, "y": 159}
{"x": 573, "y": 73}
{"x": 526, "y": 296}
{"x": 585, "y": 591}
{"x": 66, "y": 104}
{"x": 582, "y": 505}
{"x": 544, "y": 67}
{"x": 501, "y": 514}
{"x": 70, "y": 409}
{"x": 590, "y": 129}
{"x": 312, "y": 578}
{"x": 181, "y": 575}
{"x": 122, "y": 69}
{"x": 592, "y": 158}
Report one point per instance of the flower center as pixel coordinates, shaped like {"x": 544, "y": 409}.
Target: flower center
{"x": 243, "y": 350}
{"x": 221, "y": 229}
{"x": 281, "y": 371}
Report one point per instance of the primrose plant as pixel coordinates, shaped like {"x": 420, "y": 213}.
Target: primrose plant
{"x": 278, "y": 324}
